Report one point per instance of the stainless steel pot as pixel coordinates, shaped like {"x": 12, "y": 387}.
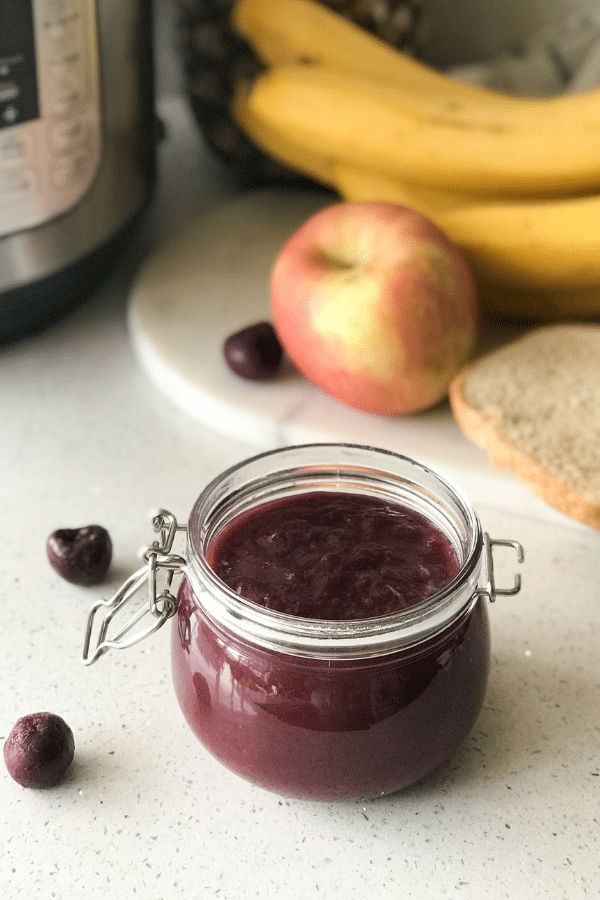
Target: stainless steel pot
{"x": 77, "y": 149}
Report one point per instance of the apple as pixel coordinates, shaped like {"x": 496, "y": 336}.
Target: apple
{"x": 375, "y": 305}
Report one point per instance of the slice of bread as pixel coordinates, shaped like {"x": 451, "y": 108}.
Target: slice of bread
{"x": 534, "y": 406}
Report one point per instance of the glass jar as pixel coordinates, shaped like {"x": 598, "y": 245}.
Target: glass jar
{"x": 315, "y": 708}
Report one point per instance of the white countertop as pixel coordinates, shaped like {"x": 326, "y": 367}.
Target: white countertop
{"x": 144, "y": 811}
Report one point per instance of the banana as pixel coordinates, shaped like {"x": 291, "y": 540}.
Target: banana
{"x": 506, "y": 291}
{"x": 551, "y": 244}
{"x": 536, "y": 244}
{"x": 510, "y": 303}
{"x": 278, "y": 145}
{"x": 371, "y": 124}
{"x": 350, "y": 181}
{"x": 362, "y": 183}
{"x": 304, "y": 31}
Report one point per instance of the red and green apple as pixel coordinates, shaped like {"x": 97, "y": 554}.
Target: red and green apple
{"x": 375, "y": 305}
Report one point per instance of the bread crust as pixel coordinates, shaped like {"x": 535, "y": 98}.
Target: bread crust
{"x": 482, "y": 429}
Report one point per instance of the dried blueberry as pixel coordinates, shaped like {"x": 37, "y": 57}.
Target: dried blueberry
{"x": 254, "y": 352}
{"x": 81, "y": 555}
{"x": 39, "y": 750}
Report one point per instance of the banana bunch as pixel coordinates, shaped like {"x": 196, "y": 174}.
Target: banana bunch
{"x": 514, "y": 181}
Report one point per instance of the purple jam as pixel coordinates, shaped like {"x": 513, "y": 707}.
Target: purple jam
{"x": 335, "y": 556}
{"x": 330, "y": 727}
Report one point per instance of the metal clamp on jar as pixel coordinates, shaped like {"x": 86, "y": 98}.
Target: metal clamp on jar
{"x": 313, "y": 707}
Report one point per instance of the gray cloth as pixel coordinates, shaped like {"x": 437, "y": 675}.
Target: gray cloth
{"x": 564, "y": 58}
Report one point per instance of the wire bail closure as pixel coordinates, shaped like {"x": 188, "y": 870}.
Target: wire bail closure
{"x": 160, "y": 568}
{"x": 491, "y": 590}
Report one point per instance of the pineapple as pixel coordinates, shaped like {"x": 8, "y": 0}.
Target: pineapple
{"x": 215, "y": 59}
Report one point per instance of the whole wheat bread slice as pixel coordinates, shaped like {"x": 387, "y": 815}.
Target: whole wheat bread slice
{"x": 534, "y": 406}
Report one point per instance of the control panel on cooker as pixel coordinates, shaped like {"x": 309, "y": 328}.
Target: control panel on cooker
{"x": 50, "y": 116}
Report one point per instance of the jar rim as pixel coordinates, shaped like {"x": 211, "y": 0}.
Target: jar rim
{"x": 361, "y": 468}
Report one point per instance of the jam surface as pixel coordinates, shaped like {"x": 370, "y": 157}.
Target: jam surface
{"x": 334, "y": 556}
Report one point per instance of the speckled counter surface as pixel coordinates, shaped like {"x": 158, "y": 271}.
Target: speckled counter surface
{"x": 144, "y": 812}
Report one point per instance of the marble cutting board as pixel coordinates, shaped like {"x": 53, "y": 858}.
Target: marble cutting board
{"x": 212, "y": 279}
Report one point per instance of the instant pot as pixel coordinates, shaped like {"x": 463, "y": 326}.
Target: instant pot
{"x": 77, "y": 149}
